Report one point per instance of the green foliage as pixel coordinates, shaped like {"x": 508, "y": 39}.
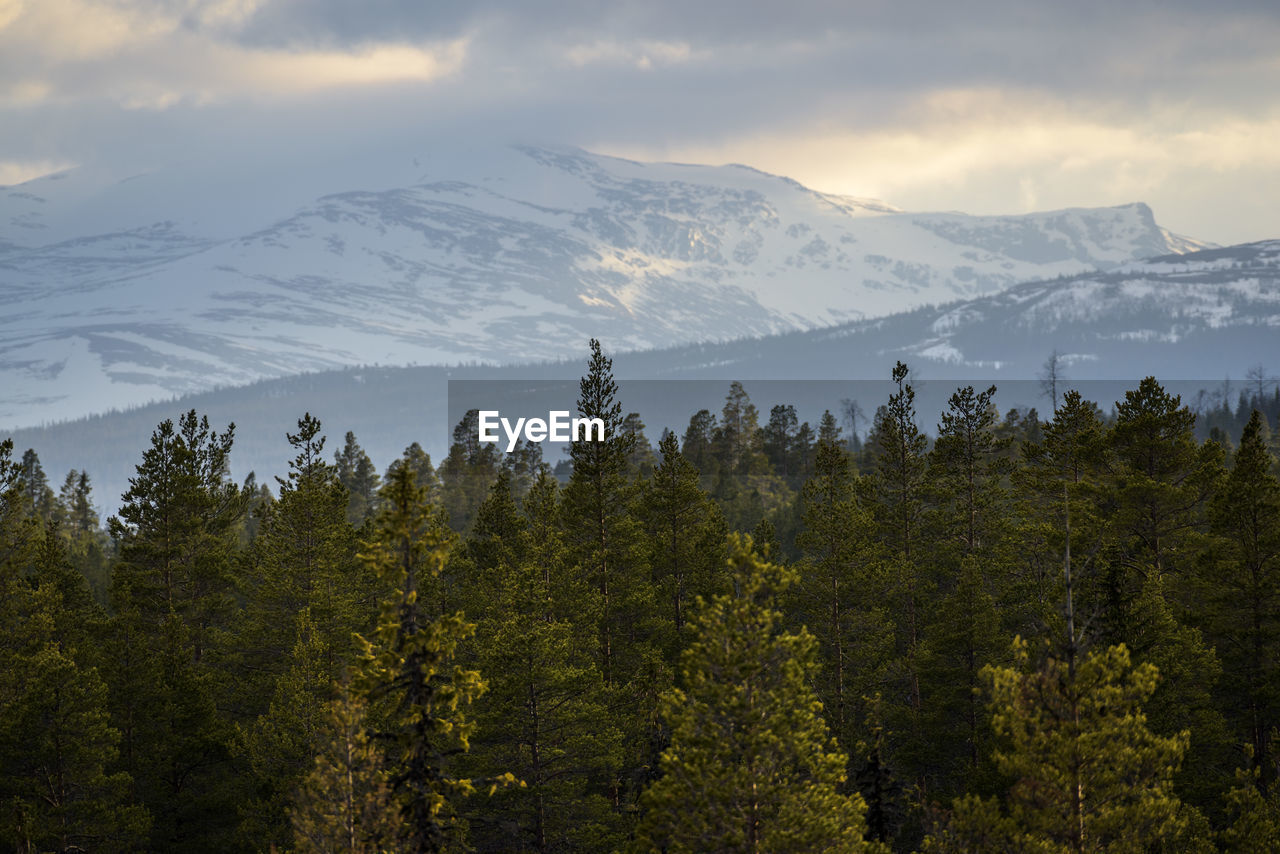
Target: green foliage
{"x": 345, "y": 805}
{"x": 1159, "y": 484}
{"x": 278, "y": 746}
{"x": 1238, "y": 588}
{"x": 1089, "y": 775}
{"x": 304, "y": 558}
{"x": 973, "y": 577}
{"x": 356, "y": 472}
{"x": 465, "y": 475}
{"x": 839, "y": 596}
{"x": 1253, "y": 815}
{"x": 751, "y": 766}
{"x": 58, "y": 748}
{"x": 603, "y": 538}
{"x": 685, "y": 532}
{"x": 545, "y": 717}
{"x": 171, "y": 596}
{"x": 305, "y": 596}
{"x": 203, "y": 711}
{"x": 408, "y": 670}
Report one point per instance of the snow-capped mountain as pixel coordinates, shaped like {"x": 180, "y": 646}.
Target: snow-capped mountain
{"x": 1201, "y": 316}
{"x": 1190, "y": 320}
{"x": 116, "y": 292}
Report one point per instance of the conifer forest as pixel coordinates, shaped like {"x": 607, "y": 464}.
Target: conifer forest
{"x": 1025, "y": 631}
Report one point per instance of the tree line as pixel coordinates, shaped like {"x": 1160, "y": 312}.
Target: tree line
{"x": 1005, "y": 634}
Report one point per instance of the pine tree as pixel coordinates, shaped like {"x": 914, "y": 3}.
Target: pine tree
{"x": 424, "y": 474}
{"x": 467, "y": 473}
{"x": 279, "y": 744}
{"x": 896, "y": 498}
{"x": 1239, "y": 588}
{"x": 686, "y": 532}
{"x": 751, "y": 766}
{"x": 640, "y": 459}
{"x": 604, "y": 541}
{"x": 737, "y": 442}
{"x": 58, "y": 748}
{"x": 545, "y": 715}
{"x": 344, "y": 805}
{"x": 79, "y": 526}
{"x": 408, "y": 669}
{"x": 305, "y": 597}
{"x": 1089, "y": 775}
{"x": 973, "y": 572}
{"x": 1059, "y": 484}
{"x": 170, "y": 593}
{"x": 840, "y": 593}
{"x": 698, "y": 444}
{"x": 966, "y": 470}
{"x": 1253, "y": 815}
{"x": 828, "y": 429}
{"x": 778, "y": 439}
{"x": 35, "y": 486}
{"x": 602, "y": 536}
{"x": 1161, "y": 477}
{"x": 1159, "y": 483}
{"x": 304, "y": 558}
{"x": 357, "y": 473}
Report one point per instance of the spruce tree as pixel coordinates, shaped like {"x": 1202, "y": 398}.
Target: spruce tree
{"x": 58, "y": 750}
{"x": 467, "y": 472}
{"x": 686, "y": 531}
{"x": 1058, "y": 485}
{"x": 1238, "y": 587}
{"x": 751, "y": 766}
{"x": 640, "y": 459}
{"x": 87, "y": 543}
{"x": 304, "y": 558}
{"x": 171, "y": 597}
{"x": 418, "y": 693}
{"x": 698, "y": 444}
{"x": 59, "y": 776}
{"x": 897, "y": 494}
{"x": 35, "y": 486}
{"x": 305, "y": 597}
{"x": 973, "y": 573}
{"x": 1159, "y": 483}
{"x": 545, "y": 716}
{"x": 840, "y": 594}
{"x": 738, "y": 445}
{"x": 602, "y": 536}
{"x": 778, "y": 439}
{"x": 357, "y": 473}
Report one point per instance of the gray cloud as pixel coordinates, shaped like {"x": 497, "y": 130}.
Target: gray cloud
{"x": 727, "y": 79}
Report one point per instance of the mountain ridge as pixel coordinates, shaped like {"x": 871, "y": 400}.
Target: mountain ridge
{"x": 1191, "y": 321}
{"x": 516, "y": 257}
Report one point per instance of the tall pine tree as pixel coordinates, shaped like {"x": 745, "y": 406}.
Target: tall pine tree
{"x": 751, "y": 766}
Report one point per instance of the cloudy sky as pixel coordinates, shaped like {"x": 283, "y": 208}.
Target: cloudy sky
{"x": 987, "y": 107}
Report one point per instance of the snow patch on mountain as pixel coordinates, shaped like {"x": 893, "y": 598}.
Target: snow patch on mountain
{"x": 115, "y": 290}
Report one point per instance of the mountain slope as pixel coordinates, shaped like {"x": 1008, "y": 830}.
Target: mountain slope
{"x": 119, "y": 292}
{"x": 1189, "y": 320}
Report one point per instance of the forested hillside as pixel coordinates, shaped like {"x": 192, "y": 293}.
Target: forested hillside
{"x": 1010, "y": 631}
